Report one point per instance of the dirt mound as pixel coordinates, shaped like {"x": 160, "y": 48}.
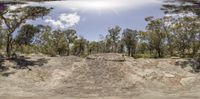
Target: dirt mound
{"x": 99, "y": 75}
{"x": 98, "y": 78}
{"x": 107, "y": 57}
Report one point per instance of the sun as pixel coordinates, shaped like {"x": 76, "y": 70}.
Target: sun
{"x": 94, "y": 5}
{"x": 98, "y": 4}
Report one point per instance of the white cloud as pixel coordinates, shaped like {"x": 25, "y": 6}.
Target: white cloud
{"x": 64, "y": 20}
{"x": 14, "y": 7}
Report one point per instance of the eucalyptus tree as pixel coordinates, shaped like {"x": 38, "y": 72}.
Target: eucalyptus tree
{"x": 130, "y": 39}
{"x": 63, "y": 40}
{"x": 93, "y": 47}
{"x": 102, "y": 44}
{"x": 120, "y": 46}
{"x": 166, "y": 27}
{"x": 108, "y": 44}
{"x": 45, "y": 41}
{"x": 60, "y": 42}
{"x": 71, "y": 36}
{"x": 156, "y": 36}
{"x": 113, "y": 36}
{"x": 186, "y": 30}
{"x": 1, "y": 36}
{"x": 14, "y": 18}
{"x": 79, "y": 46}
{"x": 26, "y": 34}
{"x": 182, "y": 6}
{"x": 25, "y": 38}
{"x": 190, "y": 10}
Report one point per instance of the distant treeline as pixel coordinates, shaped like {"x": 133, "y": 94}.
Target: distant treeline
{"x": 169, "y": 36}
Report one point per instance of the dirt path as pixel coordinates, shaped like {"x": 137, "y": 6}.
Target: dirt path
{"x": 62, "y": 97}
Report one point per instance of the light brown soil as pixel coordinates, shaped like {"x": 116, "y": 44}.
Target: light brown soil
{"x": 100, "y": 76}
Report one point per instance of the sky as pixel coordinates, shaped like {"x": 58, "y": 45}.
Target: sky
{"x": 92, "y": 18}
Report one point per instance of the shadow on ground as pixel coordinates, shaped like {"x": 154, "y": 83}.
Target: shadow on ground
{"x": 193, "y": 63}
{"x": 2, "y": 68}
{"x": 22, "y": 63}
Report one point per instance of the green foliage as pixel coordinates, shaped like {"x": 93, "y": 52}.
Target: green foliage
{"x": 130, "y": 40}
{"x": 26, "y": 49}
{"x": 1, "y": 35}
{"x": 93, "y": 47}
{"x": 156, "y": 36}
{"x": 163, "y": 37}
{"x": 56, "y": 42}
{"x": 79, "y": 47}
{"x": 181, "y": 6}
{"x": 13, "y": 19}
{"x": 26, "y": 34}
{"x": 186, "y": 31}
{"x": 113, "y": 37}
{"x": 144, "y": 55}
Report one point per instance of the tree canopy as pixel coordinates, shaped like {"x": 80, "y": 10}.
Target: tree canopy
{"x": 13, "y": 19}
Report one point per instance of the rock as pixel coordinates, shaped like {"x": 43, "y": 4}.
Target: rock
{"x": 187, "y": 81}
{"x": 107, "y": 57}
{"x": 175, "y": 57}
{"x": 169, "y": 75}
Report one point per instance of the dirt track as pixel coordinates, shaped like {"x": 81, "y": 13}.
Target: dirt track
{"x": 101, "y": 76}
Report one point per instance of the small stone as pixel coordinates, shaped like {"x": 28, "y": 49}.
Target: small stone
{"x": 169, "y": 75}
{"x": 187, "y": 81}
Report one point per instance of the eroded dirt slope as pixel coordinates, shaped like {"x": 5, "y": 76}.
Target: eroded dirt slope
{"x": 99, "y": 75}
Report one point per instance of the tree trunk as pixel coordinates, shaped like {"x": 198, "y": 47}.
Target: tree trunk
{"x": 68, "y": 50}
{"x": 183, "y": 52}
{"x": 129, "y": 51}
{"x": 8, "y": 47}
{"x": 159, "y": 53}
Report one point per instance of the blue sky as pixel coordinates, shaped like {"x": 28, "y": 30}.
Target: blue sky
{"x": 92, "y": 18}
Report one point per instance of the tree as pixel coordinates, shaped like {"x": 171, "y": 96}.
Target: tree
{"x": 120, "y": 46}
{"x": 182, "y": 6}
{"x": 186, "y": 31}
{"x": 26, "y": 34}
{"x": 1, "y": 35}
{"x": 79, "y": 46}
{"x": 13, "y": 19}
{"x": 130, "y": 39}
{"x": 156, "y": 36}
{"x": 71, "y": 37}
{"x": 25, "y": 37}
{"x": 55, "y": 42}
{"x": 93, "y": 47}
{"x": 189, "y": 9}
{"x": 108, "y": 44}
{"x": 45, "y": 42}
{"x": 60, "y": 42}
{"x": 144, "y": 45}
{"x": 102, "y": 45}
{"x": 113, "y": 36}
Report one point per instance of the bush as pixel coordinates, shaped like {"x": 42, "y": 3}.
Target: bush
{"x": 142, "y": 55}
{"x": 48, "y": 50}
{"x": 25, "y": 49}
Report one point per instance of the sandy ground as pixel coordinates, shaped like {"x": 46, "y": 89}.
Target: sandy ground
{"x": 100, "y": 76}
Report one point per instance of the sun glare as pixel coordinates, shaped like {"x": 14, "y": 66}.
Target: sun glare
{"x": 98, "y": 4}
{"x": 102, "y": 5}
